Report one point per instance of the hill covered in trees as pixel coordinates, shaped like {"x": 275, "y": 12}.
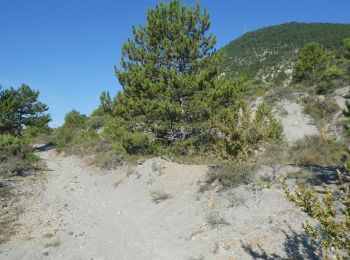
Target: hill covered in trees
{"x": 268, "y": 52}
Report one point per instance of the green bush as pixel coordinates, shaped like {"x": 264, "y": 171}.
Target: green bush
{"x": 347, "y": 47}
{"x": 330, "y": 78}
{"x": 16, "y": 155}
{"x": 125, "y": 139}
{"x": 73, "y": 134}
{"x": 188, "y": 147}
{"x": 312, "y": 59}
{"x": 11, "y": 143}
{"x": 75, "y": 119}
{"x": 240, "y": 133}
{"x": 135, "y": 143}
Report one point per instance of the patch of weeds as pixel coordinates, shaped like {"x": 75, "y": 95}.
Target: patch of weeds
{"x": 5, "y": 192}
{"x": 202, "y": 158}
{"x": 204, "y": 187}
{"x": 131, "y": 171}
{"x": 17, "y": 165}
{"x": 108, "y": 161}
{"x": 158, "y": 196}
{"x": 315, "y": 150}
{"x": 230, "y": 175}
{"x": 235, "y": 199}
{"x": 6, "y": 229}
{"x": 53, "y": 244}
{"x": 276, "y": 153}
{"x": 215, "y": 220}
{"x": 158, "y": 166}
{"x": 322, "y": 111}
{"x": 150, "y": 181}
{"x": 274, "y": 156}
{"x": 48, "y": 235}
{"x": 277, "y": 94}
{"x": 215, "y": 248}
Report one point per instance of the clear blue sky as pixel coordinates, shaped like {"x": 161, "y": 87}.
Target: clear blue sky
{"x": 67, "y": 48}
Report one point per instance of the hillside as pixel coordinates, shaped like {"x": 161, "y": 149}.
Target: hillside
{"x": 262, "y": 51}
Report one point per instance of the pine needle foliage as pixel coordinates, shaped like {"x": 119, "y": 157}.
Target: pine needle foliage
{"x": 166, "y": 71}
{"x": 19, "y": 109}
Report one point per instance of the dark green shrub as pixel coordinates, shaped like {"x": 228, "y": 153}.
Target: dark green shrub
{"x": 312, "y": 59}
{"x": 330, "y": 78}
{"x": 75, "y": 119}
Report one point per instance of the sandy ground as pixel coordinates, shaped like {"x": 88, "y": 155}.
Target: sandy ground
{"x": 296, "y": 123}
{"x": 85, "y": 213}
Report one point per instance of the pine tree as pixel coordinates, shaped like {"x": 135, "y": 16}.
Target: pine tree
{"x": 106, "y": 102}
{"x": 20, "y": 108}
{"x": 347, "y": 47}
{"x": 347, "y": 44}
{"x": 167, "y": 69}
{"x": 312, "y": 59}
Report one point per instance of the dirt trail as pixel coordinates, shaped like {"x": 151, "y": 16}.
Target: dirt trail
{"x": 85, "y": 213}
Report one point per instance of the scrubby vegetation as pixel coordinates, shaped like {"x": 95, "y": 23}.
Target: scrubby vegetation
{"x": 323, "y": 69}
{"x": 22, "y": 117}
{"x": 173, "y": 100}
{"x": 331, "y": 210}
{"x": 158, "y": 196}
{"x": 317, "y": 151}
{"x": 329, "y": 206}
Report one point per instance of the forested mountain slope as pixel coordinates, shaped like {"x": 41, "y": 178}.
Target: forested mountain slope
{"x": 269, "y": 51}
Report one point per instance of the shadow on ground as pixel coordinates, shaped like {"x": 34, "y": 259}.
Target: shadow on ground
{"x": 296, "y": 246}
{"x": 44, "y": 147}
{"x": 324, "y": 174}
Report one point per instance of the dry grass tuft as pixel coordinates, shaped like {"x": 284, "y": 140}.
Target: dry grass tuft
{"x": 158, "y": 196}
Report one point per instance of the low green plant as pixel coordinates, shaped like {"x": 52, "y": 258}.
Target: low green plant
{"x": 330, "y": 78}
{"x": 16, "y": 156}
{"x": 333, "y": 228}
{"x": 158, "y": 196}
{"x": 231, "y": 175}
{"x": 12, "y": 144}
{"x": 215, "y": 220}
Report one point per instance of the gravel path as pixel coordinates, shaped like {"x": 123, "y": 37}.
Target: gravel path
{"x": 85, "y": 213}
